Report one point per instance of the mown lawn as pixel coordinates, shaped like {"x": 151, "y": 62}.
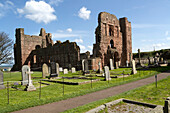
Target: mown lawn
{"x": 19, "y": 99}
{"x": 148, "y": 93}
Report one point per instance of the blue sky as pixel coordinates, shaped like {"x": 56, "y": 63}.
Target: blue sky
{"x": 76, "y": 20}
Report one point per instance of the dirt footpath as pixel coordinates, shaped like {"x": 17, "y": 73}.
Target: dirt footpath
{"x": 63, "y": 105}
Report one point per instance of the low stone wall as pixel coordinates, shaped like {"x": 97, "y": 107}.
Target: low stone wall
{"x": 156, "y": 108}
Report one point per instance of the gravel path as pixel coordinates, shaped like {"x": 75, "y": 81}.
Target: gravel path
{"x": 63, "y": 105}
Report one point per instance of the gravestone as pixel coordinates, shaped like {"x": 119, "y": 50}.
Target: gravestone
{"x": 25, "y": 75}
{"x": 116, "y": 63}
{"x": 60, "y": 69}
{"x": 45, "y": 71}
{"x": 107, "y": 73}
{"x": 133, "y": 67}
{"x": 54, "y": 69}
{"x": 127, "y": 63}
{"x": 167, "y": 105}
{"x": 73, "y": 70}
{"x": 1, "y": 80}
{"x": 86, "y": 66}
{"x": 139, "y": 56}
{"x": 111, "y": 64}
{"x": 99, "y": 68}
{"x": 30, "y": 86}
{"x": 57, "y": 69}
{"x": 65, "y": 71}
{"x": 83, "y": 65}
{"x": 69, "y": 67}
{"x": 162, "y": 60}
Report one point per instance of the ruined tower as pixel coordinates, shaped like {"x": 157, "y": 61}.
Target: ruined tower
{"x": 113, "y": 39}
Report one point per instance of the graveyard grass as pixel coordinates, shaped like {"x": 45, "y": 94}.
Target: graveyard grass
{"x": 20, "y": 99}
{"x": 148, "y": 94}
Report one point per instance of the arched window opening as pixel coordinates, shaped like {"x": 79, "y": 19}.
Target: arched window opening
{"x": 110, "y": 32}
{"x": 111, "y": 44}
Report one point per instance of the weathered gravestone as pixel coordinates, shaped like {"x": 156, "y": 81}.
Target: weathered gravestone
{"x": 54, "y": 69}
{"x": 111, "y": 64}
{"x": 25, "y": 75}
{"x": 69, "y": 67}
{"x": 162, "y": 60}
{"x": 45, "y": 71}
{"x": 1, "y": 80}
{"x": 85, "y": 67}
{"x": 116, "y": 63}
{"x": 133, "y": 67}
{"x": 99, "y": 68}
{"x": 107, "y": 73}
{"x": 65, "y": 71}
{"x": 73, "y": 70}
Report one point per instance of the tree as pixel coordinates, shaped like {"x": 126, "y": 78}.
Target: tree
{"x": 6, "y": 47}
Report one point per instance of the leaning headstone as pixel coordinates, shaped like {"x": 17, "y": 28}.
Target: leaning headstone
{"x": 1, "y": 80}
{"x": 65, "y": 71}
{"x": 133, "y": 67}
{"x": 45, "y": 71}
{"x": 116, "y": 65}
{"x": 111, "y": 64}
{"x": 60, "y": 69}
{"x": 83, "y": 65}
{"x": 30, "y": 86}
{"x": 25, "y": 75}
{"x": 73, "y": 70}
{"x": 107, "y": 73}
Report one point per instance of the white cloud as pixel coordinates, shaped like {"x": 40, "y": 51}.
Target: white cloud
{"x": 168, "y": 38}
{"x": 84, "y": 13}
{"x": 159, "y": 45}
{"x": 166, "y": 33}
{"x": 78, "y": 40}
{"x": 69, "y": 30}
{"x": 9, "y": 2}
{"x": 90, "y": 47}
{"x": 5, "y": 7}
{"x": 60, "y": 31}
{"x": 82, "y": 47}
{"x": 55, "y": 2}
{"x": 1, "y": 5}
{"x": 38, "y": 11}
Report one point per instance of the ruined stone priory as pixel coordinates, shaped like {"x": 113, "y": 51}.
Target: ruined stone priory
{"x": 113, "y": 41}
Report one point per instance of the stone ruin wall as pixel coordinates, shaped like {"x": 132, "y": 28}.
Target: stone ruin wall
{"x": 25, "y": 44}
{"x": 113, "y": 39}
{"x": 66, "y": 53}
{"x": 36, "y": 50}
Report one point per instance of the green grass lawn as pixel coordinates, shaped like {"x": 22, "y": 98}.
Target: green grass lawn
{"x": 148, "y": 93}
{"x": 19, "y": 99}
